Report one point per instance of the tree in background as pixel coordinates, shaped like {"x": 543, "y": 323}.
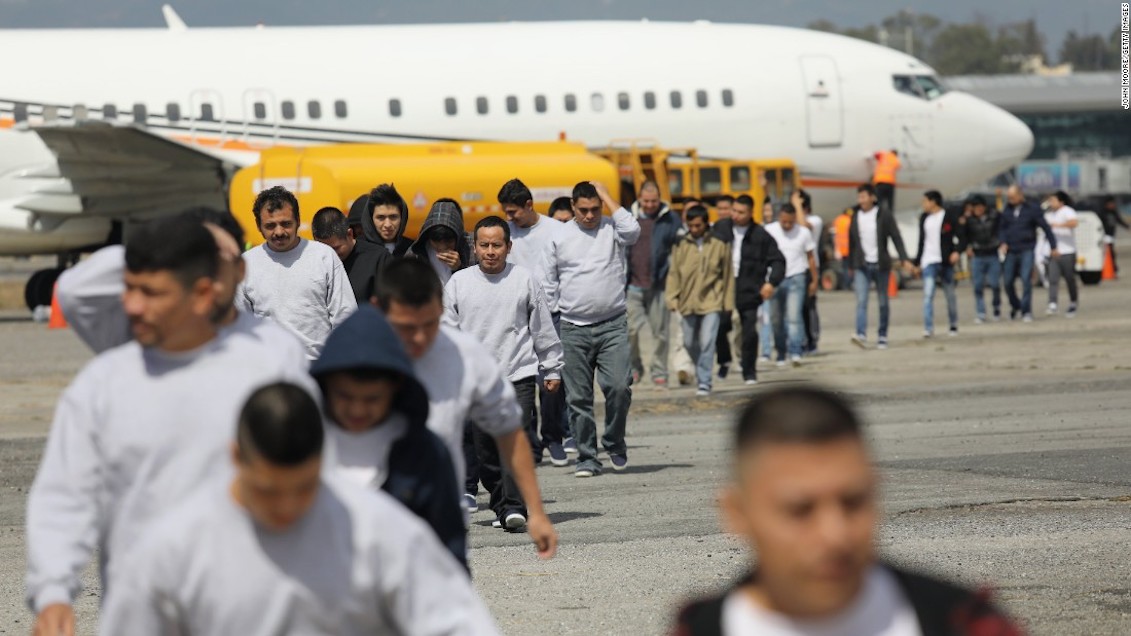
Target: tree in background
{"x": 1091, "y": 52}
{"x": 965, "y": 49}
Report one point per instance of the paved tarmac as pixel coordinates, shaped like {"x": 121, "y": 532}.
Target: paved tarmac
{"x": 1005, "y": 456}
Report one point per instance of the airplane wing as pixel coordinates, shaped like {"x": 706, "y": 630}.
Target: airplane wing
{"x": 122, "y": 173}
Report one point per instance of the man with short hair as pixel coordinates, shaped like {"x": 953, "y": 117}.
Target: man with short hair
{"x": 1062, "y": 218}
{"x": 797, "y": 246}
{"x": 530, "y": 233}
{"x": 464, "y": 382}
{"x": 660, "y": 229}
{"x": 584, "y": 272}
{"x": 361, "y": 259}
{"x": 700, "y": 287}
{"x": 805, "y": 218}
{"x": 724, "y": 205}
{"x": 803, "y": 496}
{"x": 758, "y": 267}
{"x": 940, "y": 243}
{"x": 561, "y": 209}
{"x": 980, "y": 232}
{"x": 300, "y": 284}
{"x": 502, "y": 305}
{"x": 1018, "y": 233}
{"x": 144, "y": 423}
{"x": 873, "y": 226}
{"x": 280, "y": 547}
{"x": 385, "y": 219}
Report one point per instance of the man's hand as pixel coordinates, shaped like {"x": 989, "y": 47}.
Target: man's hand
{"x": 552, "y": 385}
{"x": 543, "y": 535}
{"x": 953, "y": 258}
{"x": 1056, "y": 253}
{"x": 55, "y": 620}
{"x": 813, "y": 288}
{"x": 767, "y": 291}
{"x": 673, "y": 306}
{"x": 449, "y": 258}
{"x": 1004, "y": 249}
{"x": 606, "y": 198}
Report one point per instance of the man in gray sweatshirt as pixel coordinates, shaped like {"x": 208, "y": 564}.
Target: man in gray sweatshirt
{"x": 584, "y": 273}
{"x": 280, "y": 548}
{"x": 500, "y": 304}
{"x": 300, "y": 284}
{"x": 144, "y": 423}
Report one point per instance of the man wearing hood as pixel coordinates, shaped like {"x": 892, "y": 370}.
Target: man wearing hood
{"x": 377, "y": 435}
{"x": 648, "y": 260}
{"x": 443, "y": 244}
{"x": 362, "y": 259}
{"x": 383, "y": 216}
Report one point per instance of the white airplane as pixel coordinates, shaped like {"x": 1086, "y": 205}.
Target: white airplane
{"x": 186, "y": 107}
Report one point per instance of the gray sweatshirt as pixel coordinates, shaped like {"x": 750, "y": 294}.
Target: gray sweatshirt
{"x": 508, "y": 313}
{"x": 528, "y": 243}
{"x": 136, "y": 431}
{"x": 464, "y": 382}
{"x": 90, "y": 295}
{"x": 357, "y": 563}
{"x": 306, "y": 290}
{"x": 584, "y": 270}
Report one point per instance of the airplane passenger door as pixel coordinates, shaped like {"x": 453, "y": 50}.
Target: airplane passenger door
{"x": 260, "y": 119}
{"x": 823, "y": 106}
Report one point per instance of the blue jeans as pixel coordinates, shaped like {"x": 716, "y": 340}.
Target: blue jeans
{"x": 934, "y": 276}
{"x": 602, "y": 348}
{"x": 699, "y": 334}
{"x": 987, "y": 271}
{"x": 766, "y": 329}
{"x": 788, "y": 303}
{"x": 1019, "y": 264}
{"x": 864, "y": 278}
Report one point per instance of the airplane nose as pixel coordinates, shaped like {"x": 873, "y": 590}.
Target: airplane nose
{"x": 1006, "y": 139}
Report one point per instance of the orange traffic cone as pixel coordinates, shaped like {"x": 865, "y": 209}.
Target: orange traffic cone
{"x": 57, "y": 320}
{"x": 1109, "y": 263}
{"x": 893, "y": 284}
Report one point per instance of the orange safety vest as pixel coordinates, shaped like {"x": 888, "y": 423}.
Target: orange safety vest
{"x": 841, "y": 228}
{"x": 886, "y": 165}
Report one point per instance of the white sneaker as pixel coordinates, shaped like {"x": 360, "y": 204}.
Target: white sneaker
{"x": 795, "y": 360}
{"x": 702, "y": 392}
{"x": 980, "y": 320}
{"x": 927, "y": 333}
{"x": 750, "y": 382}
{"x": 515, "y": 521}
{"x": 1051, "y": 311}
{"x": 1071, "y": 313}
{"x": 583, "y": 472}
{"x": 1027, "y": 318}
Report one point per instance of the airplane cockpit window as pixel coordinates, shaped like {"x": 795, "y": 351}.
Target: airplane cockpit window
{"x": 109, "y": 112}
{"x": 649, "y": 100}
{"x": 450, "y": 106}
{"x": 701, "y": 99}
{"x": 141, "y": 114}
{"x": 314, "y": 109}
{"x": 677, "y": 99}
{"x": 570, "y": 102}
{"x": 925, "y": 87}
{"x": 287, "y": 108}
{"x": 512, "y": 104}
{"x": 622, "y": 101}
{"x": 394, "y": 107}
{"x": 481, "y": 105}
{"x": 728, "y": 97}
{"x": 206, "y": 113}
{"x": 340, "y": 110}
{"x": 540, "y": 103}
{"x": 173, "y": 112}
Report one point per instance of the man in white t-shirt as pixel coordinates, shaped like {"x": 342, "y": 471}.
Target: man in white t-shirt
{"x": 805, "y": 218}
{"x": 1061, "y": 217}
{"x": 872, "y": 227}
{"x": 800, "y": 462}
{"x": 940, "y": 243}
{"x": 797, "y": 245}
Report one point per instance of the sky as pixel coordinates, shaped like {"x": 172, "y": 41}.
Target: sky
{"x": 1054, "y": 17}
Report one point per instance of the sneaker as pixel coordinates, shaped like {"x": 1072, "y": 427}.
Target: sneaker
{"x": 703, "y": 391}
{"x": 497, "y": 523}
{"x": 1014, "y": 314}
{"x": 750, "y": 382}
{"x": 764, "y": 359}
{"x": 795, "y": 360}
{"x": 1051, "y": 311}
{"x": 660, "y": 382}
{"x": 953, "y": 332}
{"x": 997, "y": 316}
{"x": 780, "y": 363}
{"x": 882, "y": 343}
{"x": 620, "y": 462}
{"x": 584, "y": 472}
{"x": 860, "y": 340}
{"x": 514, "y": 522}
{"x": 1071, "y": 313}
{"x": 981, "y": 319}
{"x": 1027, "y": 318}
{"x": 927, "y": 333}
{"x": 558, "y": 455}
{"x": 569, "y": 445}
{"x": 724, "y": 369}
{"x": 470, "y": 503}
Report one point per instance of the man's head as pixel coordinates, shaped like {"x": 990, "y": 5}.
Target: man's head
{"x": 767, "y": 210}
{"x": 697, "y": 222}
{"x": 743, "y": 211}
{"x": 787, "y": 216}
{"x": 277, "y": 217}
{"x": 1109, "y": 203}
{"x": 586, "y": 206}
{"x": 412, "y": 298}
{"x": 278, "y": 455}
{"x": 866, "y": 196}
{"x": 518, "y": 203}
{"x": 1059, "y": 199}
{"x": 1014, "y": 195}
{"x": 442, "y": 238}
{"x": 387, "y": 208}
{"x": 492, "y": 244}
{"x": 360, "y": 399}
{"x": 806, "y": 201}
{"x": 724, "y": 205}
{"x": 804, "y": 498}
{"x": 170, "y": 292}
{"x": 932, "y": 201}
{"x": 561, "y": 209}
{"x": 977, "y": 205}
{"x": 649, "y": 198}
{"x": 331, "y": 228}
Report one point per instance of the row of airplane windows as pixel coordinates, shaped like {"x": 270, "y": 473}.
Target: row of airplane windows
{"x": 287, "y": 109}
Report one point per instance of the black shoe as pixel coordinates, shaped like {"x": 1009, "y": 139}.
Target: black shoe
{"x": 724, "y": 369}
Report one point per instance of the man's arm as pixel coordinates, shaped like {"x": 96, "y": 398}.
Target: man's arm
{"x": 135, "y": 605}
{"x": 340, "y": 302}
{"x": 896, "y": 237}
{"x": 547, "y": 345}
{"x": 922, "y": 239}
{"x": 451, "y": 304}
{"x": 674, "y": 279}
{"x": 775, "y": 261}
{"x": 90, "y": 295}
{"x": 627, "y": 228}
{"x": 729, "y": 281}
{"x": 547, "y": 272}
{"x": 1044, "y": 225}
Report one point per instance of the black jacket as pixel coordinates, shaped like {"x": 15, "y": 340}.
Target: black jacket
{"x": 952, "y": 238}
{"x": 421, "y": 475}
{"x": 886, "y": 229}
{"x": 666, "y": 232}
{"x": 362, "y": 266}
{"x": 447, "y": 215}
{"x": 760, "y": 262}
{"x": 942, "y": 609}
{"x": 981, "y": 233}
{"x": 1019, "y": 225}
{"x": 360, "y": 215}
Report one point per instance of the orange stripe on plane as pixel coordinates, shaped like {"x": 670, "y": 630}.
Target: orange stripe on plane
{"x": 811, "y": 182}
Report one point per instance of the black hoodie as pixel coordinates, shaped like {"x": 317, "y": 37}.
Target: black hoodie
{"x": 445, "y": 214}
{"x": 421, "y": 475}
{"x": 360, "y": 213}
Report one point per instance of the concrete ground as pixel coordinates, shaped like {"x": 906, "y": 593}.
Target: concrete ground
{"x": 1004, "y": 454}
